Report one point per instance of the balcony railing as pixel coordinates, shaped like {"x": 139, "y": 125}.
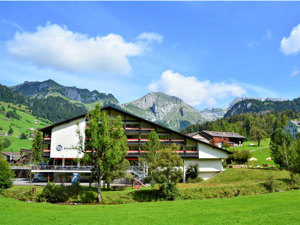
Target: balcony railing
{"x": 64, "y": 168}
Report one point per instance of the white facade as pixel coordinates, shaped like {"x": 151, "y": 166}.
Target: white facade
{"x": 64, "y": 139}
{"x": 64, "y": 142}
{"x": 292, "y": 128}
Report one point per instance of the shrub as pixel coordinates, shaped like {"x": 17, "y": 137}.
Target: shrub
{"x": 6, "y": 143}
{"x": 239, "y": 156}
{"x": 6, "y": 174}
{"x": 168, "y": 191}
{"x": 196, "y": 180}
{"x": 23, "y": 136}
{"x": 270, "y": 184}
{"x": 54, "y": 193}
{"x": 192, "y": 171}
{"x": 225, "y": 145}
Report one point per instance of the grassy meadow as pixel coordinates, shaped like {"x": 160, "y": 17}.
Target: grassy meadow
{"x": 275, "y": 208}
{"x": 261, "y": 153}
{"x": 19, "y": 126}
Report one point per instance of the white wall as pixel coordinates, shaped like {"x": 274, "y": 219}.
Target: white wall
{"x": 65, "y": 135}
{"x": 208, "y": 152}
{"x": 207, "y": 167}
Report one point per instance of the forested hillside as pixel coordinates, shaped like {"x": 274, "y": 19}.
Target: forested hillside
{"x": 51, "y": 108}
{"x": 258, "y": 106}
{"x": 243, "y": 123}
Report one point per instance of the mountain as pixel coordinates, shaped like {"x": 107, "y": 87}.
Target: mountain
{"x": 49, "y": 87}
{"x": 51, "y": 108}
{"x": 218, "y": 113}
{"x": 168, "y": 110}
{"x": 213, "y": 113}
{"x": 262, "y": 106}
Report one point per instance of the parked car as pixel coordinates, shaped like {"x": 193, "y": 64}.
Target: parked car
{"x": 40, "y": 177}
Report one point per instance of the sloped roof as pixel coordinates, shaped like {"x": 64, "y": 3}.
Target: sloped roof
{"x": 137, "y": 117}
{"x": 223, "y": 134}
{"x": 15, "y": 156}
{"x": 297, "y": 123}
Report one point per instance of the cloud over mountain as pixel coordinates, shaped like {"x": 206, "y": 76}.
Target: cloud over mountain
{"x": 193, "y": 91}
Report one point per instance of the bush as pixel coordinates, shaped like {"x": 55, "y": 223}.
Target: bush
{"x": 6, "y": 143}
{"x": 23, "y": 136}
{"x": 239, "y": 156}
{"x": 54, "y": 193}
{"x": 192, "y": 172}
{"x": 196, "y": 180}
{"x": 168, "y": 191}
{"x": 6, "y": 174}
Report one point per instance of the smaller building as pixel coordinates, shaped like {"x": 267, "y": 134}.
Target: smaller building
{"x": 16, "y": 157}
{"x": 3, "y": 134}
{"x": 25, "y": 155}
{"x": 292, "y": 128}
{"x": 197, "y": 135}
{"x": 218, "y": 138}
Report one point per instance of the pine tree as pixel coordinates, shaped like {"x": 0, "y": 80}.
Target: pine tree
{"x": 37, "y": 145}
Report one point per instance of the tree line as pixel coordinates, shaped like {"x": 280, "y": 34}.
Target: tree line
{"x": 247, "y": 124}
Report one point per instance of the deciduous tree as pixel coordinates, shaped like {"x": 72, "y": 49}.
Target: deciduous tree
{"x": 257, "y": 134}
{"x": 108, "y": 144}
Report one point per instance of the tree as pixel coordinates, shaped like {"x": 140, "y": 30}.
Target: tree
{"x": 23, "y": 136}
{"x": 257, "y": 134}
{"x": 295, "y": 162}
{"x": 1, "y": 145}
{"x": 165, "y": 170}
{"x": 37, "y": 145}
{"x": 6, "y": 174}
{"x": 153, "y": 145}
{"x": 10, "y": 131}
{"x": 108, "y": 142}
{"x": 276, "y": 142}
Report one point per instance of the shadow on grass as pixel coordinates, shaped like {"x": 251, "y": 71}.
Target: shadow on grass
{"x": 145, "y": 195}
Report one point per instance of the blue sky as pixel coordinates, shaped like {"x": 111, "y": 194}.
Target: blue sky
{"x": 206, "y": 53}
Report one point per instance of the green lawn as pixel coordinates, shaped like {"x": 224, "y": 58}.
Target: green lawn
{"x": 275, "y": 208}
{"x": 261, "y": 153}
{"x": 246, "y": 145}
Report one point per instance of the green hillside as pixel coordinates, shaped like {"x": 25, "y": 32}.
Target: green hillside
{"x": 261, "y": 153}
{"x": 20, "y": 119}
{"x": 258, "y": 106}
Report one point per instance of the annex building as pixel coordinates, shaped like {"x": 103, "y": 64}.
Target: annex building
{"x": 218, "y": 138}
{"x": 60, "y": 139}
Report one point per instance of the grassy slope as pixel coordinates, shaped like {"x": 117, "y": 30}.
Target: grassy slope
{"x": 26, "y": 121}
{"x": 276, "y": 208}
{"x": 261, "y": 152}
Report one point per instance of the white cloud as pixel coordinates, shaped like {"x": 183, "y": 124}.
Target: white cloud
{"x": 291, "y": 44}
{"x": 57, "y": 47}
{"x": 150, "y": 37}
{"x": 11, "y": 23}
{"x": 193, "y": 91}
{"x": 294, "y": 73}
